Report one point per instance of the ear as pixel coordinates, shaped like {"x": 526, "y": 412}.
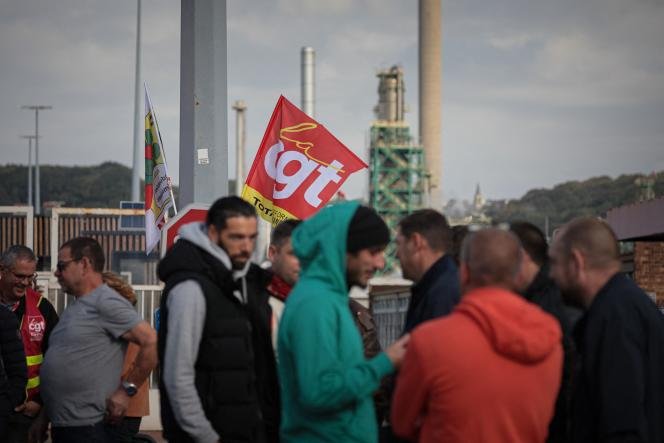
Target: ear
{"x": 271, "y": 252}
{"x": 417, "y": 240}
{"x": 577, "y": 262}
{"x": 213, "y": 233}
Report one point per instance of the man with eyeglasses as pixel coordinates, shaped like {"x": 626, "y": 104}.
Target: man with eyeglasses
{"x": 82, "y": 386}
{"x": 37, "y": 318}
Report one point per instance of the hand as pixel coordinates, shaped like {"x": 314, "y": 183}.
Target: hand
{"x": 29, "y": 408}
{"x": 38, "y": 428}
{"x": 116, "y": 406}
{"x": 397, "y": 350}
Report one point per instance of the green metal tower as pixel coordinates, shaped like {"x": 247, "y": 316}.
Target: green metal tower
{"x": 397, "y": 175}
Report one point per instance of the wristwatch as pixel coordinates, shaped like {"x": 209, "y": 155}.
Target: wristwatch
{"x": 130, "y": 388}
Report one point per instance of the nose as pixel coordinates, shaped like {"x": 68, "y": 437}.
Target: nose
{"x": 379, "y": 260}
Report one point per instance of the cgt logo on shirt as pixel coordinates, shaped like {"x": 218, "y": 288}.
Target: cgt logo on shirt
{"x": 36, "y": 327}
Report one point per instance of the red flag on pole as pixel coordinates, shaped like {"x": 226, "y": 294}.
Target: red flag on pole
{"x": 298, "y": 168}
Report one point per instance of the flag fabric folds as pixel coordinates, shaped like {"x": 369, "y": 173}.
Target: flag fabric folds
{"x": 158, "y": 191}
{"x": 298, "y": 168}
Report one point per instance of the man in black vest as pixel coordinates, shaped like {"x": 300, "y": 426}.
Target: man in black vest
{"x": 218, "y": 377}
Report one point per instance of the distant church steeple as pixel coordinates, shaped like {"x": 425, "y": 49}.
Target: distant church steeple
{"x": 478, "y": 200}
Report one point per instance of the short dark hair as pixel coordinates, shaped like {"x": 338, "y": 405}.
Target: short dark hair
{"x": 283, "y": 232}
{"x": 430, "y": 224}
{"x": 87, "y": 247}
{"x": 15, "y": 253}
{"x": 532, "y": 240}
{"x": 228, "y": 207}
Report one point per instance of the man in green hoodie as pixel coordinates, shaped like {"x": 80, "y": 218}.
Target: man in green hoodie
{"x": 326, "y": 383}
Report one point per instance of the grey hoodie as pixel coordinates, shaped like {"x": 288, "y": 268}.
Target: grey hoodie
{"x": 186, "y": 305}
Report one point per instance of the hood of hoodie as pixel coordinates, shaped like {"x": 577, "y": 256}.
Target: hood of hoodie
{"x": 320, "y": 245}
{"x": 515, "y": 328}
{"x": 179, "y": 260}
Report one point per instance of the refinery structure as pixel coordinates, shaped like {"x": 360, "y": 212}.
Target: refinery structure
{"x": 398, "y": 181}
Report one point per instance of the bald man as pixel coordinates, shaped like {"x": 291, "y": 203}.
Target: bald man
{"x": 619, "y": 393}
{"x": 488, "y": 372}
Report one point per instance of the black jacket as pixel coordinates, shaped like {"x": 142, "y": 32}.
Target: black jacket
{"x": 13, "y": 370}
{"x": 235, "y": 373}
{"x": 544, "y": 293}
{"x": 435, "y": 295}
{"x": 619, "y": 394}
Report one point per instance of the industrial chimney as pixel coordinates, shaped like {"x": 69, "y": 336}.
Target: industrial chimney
{"x": 430, "y": 94}
{"x": 308, "y": 58}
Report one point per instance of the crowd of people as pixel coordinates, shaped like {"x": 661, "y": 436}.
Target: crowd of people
{"x": 506, "y": 339}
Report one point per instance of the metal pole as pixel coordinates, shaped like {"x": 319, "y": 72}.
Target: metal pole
{"x": 138, "y": 157}
{"x": 30, "y": 176}
{"x": 203, "y": 101}
{"x": 240, "y": 135}
{"x": 30, "y": 202}
{"x": 37, "y": 108}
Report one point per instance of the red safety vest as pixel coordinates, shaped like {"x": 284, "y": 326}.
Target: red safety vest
{"x": 33, "y": 328}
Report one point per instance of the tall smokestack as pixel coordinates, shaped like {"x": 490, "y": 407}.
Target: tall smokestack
{"x": 307, "y": 94}
{"x": 430, "y": 94}
{"x": 240, "y": 136}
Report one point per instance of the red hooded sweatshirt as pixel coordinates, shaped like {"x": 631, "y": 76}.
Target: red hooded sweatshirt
{"x": 488, "y": 372}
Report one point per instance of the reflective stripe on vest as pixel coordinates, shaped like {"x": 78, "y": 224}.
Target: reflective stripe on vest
{"x": 34, "y": 359}
{"x": 32, "y": 382}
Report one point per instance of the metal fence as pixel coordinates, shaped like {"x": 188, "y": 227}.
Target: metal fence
{"x": 147, "y": 301}
{"x": 389, "y": 312}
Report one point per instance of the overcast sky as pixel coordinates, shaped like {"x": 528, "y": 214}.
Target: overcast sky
{"x": 534, "y": 92}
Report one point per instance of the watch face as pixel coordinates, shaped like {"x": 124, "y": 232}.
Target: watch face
{"x": 129, "y": 388}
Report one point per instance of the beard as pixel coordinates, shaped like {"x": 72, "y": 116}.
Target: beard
{"x": 572, "y": 296}
{"x": 239, "y": 261}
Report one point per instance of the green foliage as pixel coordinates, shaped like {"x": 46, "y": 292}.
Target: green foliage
{"x": 101, "y": 186}
{"x": 592, "y": 197}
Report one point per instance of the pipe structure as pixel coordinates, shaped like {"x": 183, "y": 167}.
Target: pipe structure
{"x": 307, "y": 92}
{"x": 240, "y": 136}
{"x": 138, "y": 162}
{"x": 430, "y": 61}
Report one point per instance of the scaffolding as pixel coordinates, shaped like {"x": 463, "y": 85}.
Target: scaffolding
{"x": 397, "y": 174}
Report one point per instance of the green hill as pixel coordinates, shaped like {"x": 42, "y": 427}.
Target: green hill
{"x": 565, "y": 201}
{"x": 76, "y": 186}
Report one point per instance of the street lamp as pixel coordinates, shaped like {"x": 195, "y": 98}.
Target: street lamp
{"x": 30, "y": 138}
{"x": 37, "y": 108}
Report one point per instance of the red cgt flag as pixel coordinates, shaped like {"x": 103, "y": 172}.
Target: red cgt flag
{"x": 298, "y": 168}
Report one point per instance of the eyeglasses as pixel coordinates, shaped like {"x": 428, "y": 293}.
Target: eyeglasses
{"x": 21, "y": 277}
{"x": 62, "y": 265}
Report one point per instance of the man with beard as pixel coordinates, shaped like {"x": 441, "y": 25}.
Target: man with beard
{"x": 326, "y": 382}
{"x": 37, "y": 318}
{"x": 218, "y": 374}
{"x": 618, "y": 395}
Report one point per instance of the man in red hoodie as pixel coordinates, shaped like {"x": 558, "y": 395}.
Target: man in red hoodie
{"x": 488, "y": 372}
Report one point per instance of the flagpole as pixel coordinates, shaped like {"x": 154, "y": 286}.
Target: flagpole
{"x": 163, "y": 149}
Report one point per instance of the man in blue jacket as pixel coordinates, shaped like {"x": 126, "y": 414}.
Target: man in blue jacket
{"x": 423, "y": 239}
